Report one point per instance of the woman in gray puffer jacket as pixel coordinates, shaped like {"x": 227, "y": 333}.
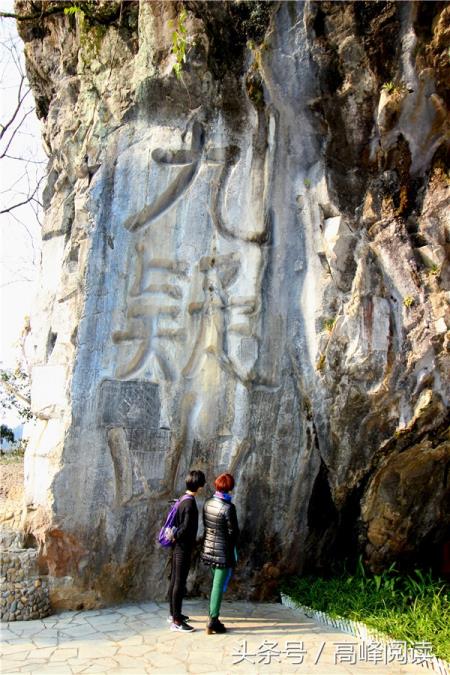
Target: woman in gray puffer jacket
{"x": 219, "y": 545}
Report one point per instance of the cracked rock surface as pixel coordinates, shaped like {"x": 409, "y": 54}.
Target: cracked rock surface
{"x": 244, "y": 269}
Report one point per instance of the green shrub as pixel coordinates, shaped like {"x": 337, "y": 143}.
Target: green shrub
{"x": 412, "y": 607}
{"x": 73, "y": 9}
{"x": 434, "y": 270}
{"x": 179, "y": 43}
{"x": 389, "y": 87}
{"x": 329, "y": 324}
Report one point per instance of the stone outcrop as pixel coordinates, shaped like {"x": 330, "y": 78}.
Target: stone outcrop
{"x": 244, "y": 269}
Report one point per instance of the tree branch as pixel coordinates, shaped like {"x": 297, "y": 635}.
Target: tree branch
{"x": 26, "y": 201}
{"x": 23, "y": 159}
{"x": 15, "y": 131}
{"x": 59, "y": 9}
{"x": 14, "y": 391}
{"x": 19, "y": 103}
{"x": 31, "y": 17}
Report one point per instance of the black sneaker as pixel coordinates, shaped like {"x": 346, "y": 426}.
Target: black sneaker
{"x": 183, "y": 627}
{"x": 215, "y": 626}
{"x": 183, "y": 618}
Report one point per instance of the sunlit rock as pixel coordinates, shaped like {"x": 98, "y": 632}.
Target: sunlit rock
{"x": 236, "y": 277}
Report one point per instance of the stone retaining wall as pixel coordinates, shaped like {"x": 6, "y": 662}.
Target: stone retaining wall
{"x": 24, "y": 593}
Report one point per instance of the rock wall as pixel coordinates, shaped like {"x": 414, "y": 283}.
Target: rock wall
{"x": 24, "y": 594}
{"x": 244, "y": 269}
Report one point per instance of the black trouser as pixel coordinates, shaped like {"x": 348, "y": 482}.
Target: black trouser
{"x": 181, "y": 561}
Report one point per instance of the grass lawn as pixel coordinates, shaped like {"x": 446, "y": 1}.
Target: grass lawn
{"x": 414, "y": 608}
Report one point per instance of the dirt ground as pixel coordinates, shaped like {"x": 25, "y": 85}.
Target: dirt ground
{"x": 11, "y": 491}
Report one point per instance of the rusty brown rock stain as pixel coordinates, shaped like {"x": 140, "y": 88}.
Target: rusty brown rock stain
{"x": 62, "y": 552}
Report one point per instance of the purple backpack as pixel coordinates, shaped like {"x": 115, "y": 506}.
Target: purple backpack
{"x": 167, "y": 532}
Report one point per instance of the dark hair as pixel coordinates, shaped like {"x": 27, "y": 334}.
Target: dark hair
{"x": 224, "y": 482}
{"x": 195, "y": 480}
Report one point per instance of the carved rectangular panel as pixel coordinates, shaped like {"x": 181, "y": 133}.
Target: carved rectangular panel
{"x": 148, "y": 440}
{"x": 150, "y": 449}
{"x": 129, "y": 404}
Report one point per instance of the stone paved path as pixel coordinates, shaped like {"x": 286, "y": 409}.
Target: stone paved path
{"x": 135, "y": 639}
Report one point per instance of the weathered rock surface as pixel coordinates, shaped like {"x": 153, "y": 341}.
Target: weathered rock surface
{"x": 244, "y": 269}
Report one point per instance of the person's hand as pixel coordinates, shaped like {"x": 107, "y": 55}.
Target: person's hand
{"x": 169, "y": 533}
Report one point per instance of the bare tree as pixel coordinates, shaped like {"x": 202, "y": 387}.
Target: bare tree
{"x": 21, "y": 155}
{"x": 22, "y": 171}
{"x": 22, "y": 165}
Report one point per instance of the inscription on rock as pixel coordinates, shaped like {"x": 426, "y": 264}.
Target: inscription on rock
{"x": 150, "y": 448}
{"x": 130, "y": 404}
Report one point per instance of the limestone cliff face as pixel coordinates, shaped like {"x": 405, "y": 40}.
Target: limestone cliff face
{"x": 244, "y": 269}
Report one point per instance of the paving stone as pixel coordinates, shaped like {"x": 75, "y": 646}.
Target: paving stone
{"x": 113, "y": 628}
{"x": 79, "y": 666}
{"x": 42, "y": 653}
{"x": 135, "y": 640}
{"x": 67, "y": 623}
{"x": 18, "y": 656}
{"x": 196, "y": 667}
{"x": 47, "y": 633}
{"x": 135, "y": 610}
{"x": 86, "y": 613}
{"x": 164, "y": 660}
{"x": 207, "y": 658}
{"x": 139, "y": 650}
{"x": 45, "y": 642}
{"x": 97, "y": 651}
{"x": 126, "y": 662}
{"x": 73, "y": 643}
{"x": 74, "y": 639}
{"x": 7, "y": 634}
{"x": 167, "y": 636}
{"x": 11, "y": 666}
{"x": 149, "y": 606}
{"x": 182, "y": 652}
{"x": 106, "y": 619}
{"x": 112, "y": 610}
{"x": 77, "y": 631}
{"x": 63, "y": 655}
{"x": 147, "y": 620}
{"x": 115, "y": 637}
{"x": 100, "y": 665}
{"x": 56, "y": 669}
{"x": 34, "y": 661}
{"x": 6, "y": 650}
{"x": 144, "y": 643}
{"x": 25, "y": 626}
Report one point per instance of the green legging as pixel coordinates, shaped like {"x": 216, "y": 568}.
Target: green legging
{"x": 219, "y": 576}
